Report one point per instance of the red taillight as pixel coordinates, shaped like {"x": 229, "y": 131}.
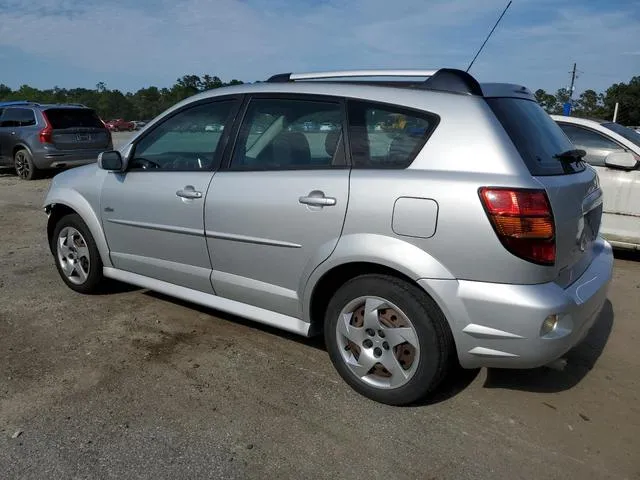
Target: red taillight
{"x": 523, "y": 221}
{"x": 46, "y": 134}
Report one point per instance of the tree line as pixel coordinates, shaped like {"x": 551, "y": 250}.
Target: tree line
{"x": 592, "y": 104}
{"x": 144, "y": 104}
{"x": 148, "y": 102}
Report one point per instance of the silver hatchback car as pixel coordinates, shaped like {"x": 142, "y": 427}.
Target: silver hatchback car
{"x": 440, "y": 221}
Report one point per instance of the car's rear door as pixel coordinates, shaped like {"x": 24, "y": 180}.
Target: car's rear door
{"x": 153, "y": 213}
{"x": 277, "y": 210}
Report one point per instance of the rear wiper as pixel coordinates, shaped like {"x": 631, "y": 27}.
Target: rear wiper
{"x": 571, "y": 156}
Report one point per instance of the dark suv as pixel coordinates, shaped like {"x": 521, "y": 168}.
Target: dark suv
{"x": 36, "y": 137}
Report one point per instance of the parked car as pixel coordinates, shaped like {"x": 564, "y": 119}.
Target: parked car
{"x": 410, "y": 252}
{"x": 36, "y": 137}
{"x": 120, "y": 125}
{"x": 614, "y": 151}
{"x": 138, "y": 124}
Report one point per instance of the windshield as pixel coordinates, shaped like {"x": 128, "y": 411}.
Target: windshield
{"x": 536, "y": 136}
{"x": 631, "y": 135}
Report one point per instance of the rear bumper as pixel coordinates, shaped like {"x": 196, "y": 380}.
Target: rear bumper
{"x": 500, "y": 325}
{"x": 46, "y": 160}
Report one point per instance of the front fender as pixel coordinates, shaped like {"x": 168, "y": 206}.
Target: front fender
{"x": 74, "y": 200}
{"x": 394, "y": 253}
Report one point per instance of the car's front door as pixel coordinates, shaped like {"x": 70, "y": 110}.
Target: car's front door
{"x": 152, "y": 213}
{"x": 278, "y": 208}
{"x": 620, "y": 188}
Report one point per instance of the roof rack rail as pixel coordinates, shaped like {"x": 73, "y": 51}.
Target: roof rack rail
{"x": 15, "y": 102}
{"x": 444, "y": 79}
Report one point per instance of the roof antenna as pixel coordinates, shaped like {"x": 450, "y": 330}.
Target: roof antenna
{"x": 490, "y": 33}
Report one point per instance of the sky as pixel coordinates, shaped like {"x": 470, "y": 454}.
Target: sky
{"x": 130, "y": 44}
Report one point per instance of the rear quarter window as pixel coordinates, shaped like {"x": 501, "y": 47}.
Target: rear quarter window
{"x": 536, "y": 136}
{"x": 61, "y": 118}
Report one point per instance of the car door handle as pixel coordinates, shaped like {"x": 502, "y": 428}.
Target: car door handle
{"x": 317, "y": 199}
{"x": 189, "y": 192}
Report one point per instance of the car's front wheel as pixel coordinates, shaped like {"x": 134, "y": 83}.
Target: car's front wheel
{"x": 76, "y": 254}
{"x": 388, "y": 339}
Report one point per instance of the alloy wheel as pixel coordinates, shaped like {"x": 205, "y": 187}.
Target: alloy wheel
{"x": 23, "y": 168}
{"x": 73, "y": 255}
{"x": 378, "y": 342}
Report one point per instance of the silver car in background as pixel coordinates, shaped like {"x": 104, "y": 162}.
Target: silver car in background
{"x": 440, "y": 222}
{"x": 614, "y": 152}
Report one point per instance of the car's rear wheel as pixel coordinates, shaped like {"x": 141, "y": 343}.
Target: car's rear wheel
{"x": 23, "y": 163}
{"x": 388, "y": 339}
{"x": 76, "y": 254}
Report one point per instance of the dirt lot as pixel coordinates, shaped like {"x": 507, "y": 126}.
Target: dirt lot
{"x": 133, "y": 384}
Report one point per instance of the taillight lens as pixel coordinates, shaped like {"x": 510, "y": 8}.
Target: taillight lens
{"x": 46, "y": 134}
{"x": 523, "y": 221}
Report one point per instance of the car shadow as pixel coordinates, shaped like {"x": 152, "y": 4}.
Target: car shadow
{"x": 114, "y": 287}
{"x": 631, "y": 255}
{"x": 580, "y": 361}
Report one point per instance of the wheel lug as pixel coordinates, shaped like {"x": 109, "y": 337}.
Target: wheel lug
{"x": 367, "y": 343}
{"x": 381, "y": 333}
{"x": 377, "y": 351}
{"x": 370, "y": 332}
{"x": 385, "y": 345}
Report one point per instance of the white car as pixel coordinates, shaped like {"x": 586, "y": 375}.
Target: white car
{"x": 614, "y": 152}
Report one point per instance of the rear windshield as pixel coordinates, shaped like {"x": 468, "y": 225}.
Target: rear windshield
{"x": 61, "y": 118}
{"x": 536, "y": 136}
{"x": 627, "y": 133}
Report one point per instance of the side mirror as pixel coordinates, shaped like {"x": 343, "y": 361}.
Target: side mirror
{"x": 621, "y": 160}
{"x": 110, "y": 160}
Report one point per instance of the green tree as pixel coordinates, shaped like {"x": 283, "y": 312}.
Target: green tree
{"x": 628, "y": 97}
{"x": 546, "y": 100}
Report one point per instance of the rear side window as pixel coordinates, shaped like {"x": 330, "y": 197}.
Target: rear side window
{"x": 18, "y": 117}
{"x": 61, "y": 118}
{"x": 536, "y": 136}
{"x": 384, "y": 136}
{"x": 290, "y": 133}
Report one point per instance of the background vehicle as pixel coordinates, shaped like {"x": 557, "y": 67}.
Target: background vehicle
{"x": 138, "y": 124}
{"x": 120, "y": 125}
{"x": 35, "y": 137}
{"x": 614, "y": 151}
{"x": 409, "y": 249}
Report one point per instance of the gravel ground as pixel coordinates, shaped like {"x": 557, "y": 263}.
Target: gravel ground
{"x": 133, "y": 384}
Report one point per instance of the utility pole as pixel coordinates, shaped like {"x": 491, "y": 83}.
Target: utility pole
{"x": 573, "y": 80}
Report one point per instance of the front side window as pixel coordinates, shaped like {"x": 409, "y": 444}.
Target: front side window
{"x": 383, "y": 136}
{"x": 281, "y": 134}
{"x": 625, "y": 132}
{"x": 588, "y": 139}
{"x": 186, "y": 141}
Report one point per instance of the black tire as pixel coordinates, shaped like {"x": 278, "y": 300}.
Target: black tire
{"x": 437, "y": 348}
{"x": 95, "y": 280}
{"x": 24, "y": 166}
